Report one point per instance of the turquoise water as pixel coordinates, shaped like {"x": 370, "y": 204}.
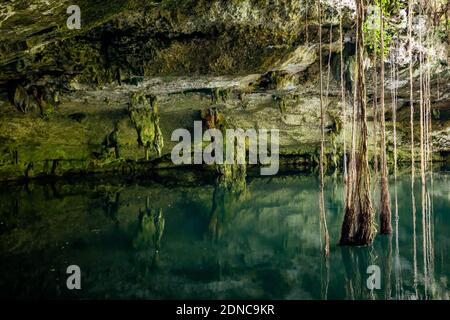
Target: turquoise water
{"x": 192, "y": 240}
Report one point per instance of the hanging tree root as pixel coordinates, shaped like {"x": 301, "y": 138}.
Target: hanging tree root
{"x": 359, "y": 226}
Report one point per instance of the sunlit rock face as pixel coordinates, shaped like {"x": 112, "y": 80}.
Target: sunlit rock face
{"x": 63, "y": 92}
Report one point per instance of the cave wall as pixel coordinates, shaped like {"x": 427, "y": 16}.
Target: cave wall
{"x": 255, "y": 61}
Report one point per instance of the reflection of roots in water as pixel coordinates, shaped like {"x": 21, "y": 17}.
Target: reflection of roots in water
{"x": 398, "y": 267}
{"x": 325, "y": 246}
{"x": 356, "y": 260}
{"x": 324, "y": 277}
{"x": 387, "y": 265}
{"x": 427, "y": 277}
{"x": 413, "y": 205}
{"x": 427, "y": 244}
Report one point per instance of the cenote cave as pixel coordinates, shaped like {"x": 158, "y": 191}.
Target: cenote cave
{"x": 333, "y": 117}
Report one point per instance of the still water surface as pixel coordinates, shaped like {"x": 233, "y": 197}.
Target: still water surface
{"x": 148, "y": 240}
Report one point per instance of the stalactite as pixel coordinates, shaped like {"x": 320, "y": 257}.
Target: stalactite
{"x": 145, "y": 118}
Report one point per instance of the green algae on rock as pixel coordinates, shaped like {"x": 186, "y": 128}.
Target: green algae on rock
{"x": 145, "y": 118}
